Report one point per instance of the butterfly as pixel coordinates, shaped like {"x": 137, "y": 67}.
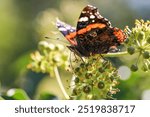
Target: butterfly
{"x": 92, "y": 35}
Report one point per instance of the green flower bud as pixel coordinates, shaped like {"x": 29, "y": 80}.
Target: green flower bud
{"x": 141, "y": 35}
{"x": 82, "y": 65}
{"x": 74, "y": 91}
{"x": 42, "y": 45}
{"x": 101, "y": 70}
{"x": 134, "y": 68}
{"x": 88, "y": 75}
{"x": 146, "y": 55}
{"x": 77, "y": 69}
{"x": 86, "y": 89}
{"x": 131, "y": 50}
{"x": 76, "y": 80}
{"x": 112, "y": 78}
{"x": 101, "y": 85}
{"x": 145, "y": 68}
{"x": 59, "y": 47}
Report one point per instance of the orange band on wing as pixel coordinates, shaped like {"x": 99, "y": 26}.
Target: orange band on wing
{"x": 71, "y": 35}
{"x": 81, "y": 31}
{"x": 91, "y": 26}
{"x": 120, "y": 35}
{"x": 70, "y": 38}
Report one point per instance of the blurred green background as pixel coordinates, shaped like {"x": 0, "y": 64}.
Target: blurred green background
{"x": 23, "y": 23}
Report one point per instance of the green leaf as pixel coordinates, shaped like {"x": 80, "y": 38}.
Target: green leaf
{"x": 47, "y": 96}
{"x": 17, "y": 94}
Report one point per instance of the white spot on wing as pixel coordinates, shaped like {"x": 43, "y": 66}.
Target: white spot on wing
{"x": 97, "y": 12}
{"x": 71, "y": 30}
{"x": 93, "y": 20}
{"x": 68, "y": 28}
{"x": 62, "y": 29}
{"x": 105, "y": 19}
{"x": 90, "y": 6}
{"x": 83, "y": 19}
{"x": 92, "y": 16}
{"x": 83, "y": 12}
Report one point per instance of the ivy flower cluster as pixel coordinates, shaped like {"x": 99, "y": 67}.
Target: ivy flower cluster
{"x": 139, "y": 42}
{"x": 95, "y": 78}
{"x": 48, "y": 56}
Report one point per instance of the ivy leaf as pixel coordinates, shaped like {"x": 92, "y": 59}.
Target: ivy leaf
{"x": 17, "y": 94}
{"x": 47, "y": 96}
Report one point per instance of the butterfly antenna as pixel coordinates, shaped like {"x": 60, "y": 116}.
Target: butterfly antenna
{"x": 75, "y": 55}
{"x": 82, "y": 59}
{"x": 52, "y": 38}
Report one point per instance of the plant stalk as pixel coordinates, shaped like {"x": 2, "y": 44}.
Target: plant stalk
{"x": 60, "y": 83}
{"x": 117, "y": 54}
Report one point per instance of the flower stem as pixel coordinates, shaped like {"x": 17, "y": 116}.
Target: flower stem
{"x": 115, "y": 54}
{"x": 60, "y": 83}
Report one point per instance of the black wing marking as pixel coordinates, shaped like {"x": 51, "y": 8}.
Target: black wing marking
{"x": 90, "y": 15}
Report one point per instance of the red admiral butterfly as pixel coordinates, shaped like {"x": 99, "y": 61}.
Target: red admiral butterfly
{"x": 93, "y": 35}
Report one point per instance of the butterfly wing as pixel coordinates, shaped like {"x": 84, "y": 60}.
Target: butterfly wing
{"x": 94, "y": 32}
{"x": 90, "y": 15}
{"x": 67, "y": 30}
{"x": 93, "y": 35}
{"x": 90, "y": 25}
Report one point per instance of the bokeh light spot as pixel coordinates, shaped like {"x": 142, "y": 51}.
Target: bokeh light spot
{"x": 146, "y": 95}
{"x": 124, "y": 72}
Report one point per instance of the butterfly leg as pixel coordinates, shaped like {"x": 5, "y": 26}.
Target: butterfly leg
{"x": 76, "y": 52}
